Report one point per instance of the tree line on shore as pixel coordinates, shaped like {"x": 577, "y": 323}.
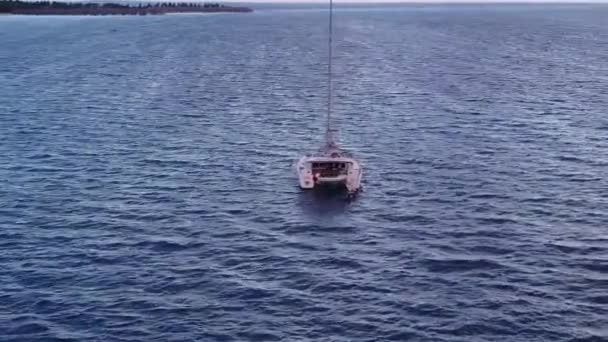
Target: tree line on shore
{"x": 18, "y": 6}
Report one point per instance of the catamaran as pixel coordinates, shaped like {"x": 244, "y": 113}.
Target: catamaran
{"x": 330, "y": 166}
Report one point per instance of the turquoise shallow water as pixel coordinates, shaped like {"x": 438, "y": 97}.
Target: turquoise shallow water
{"x": 147, "y": 191}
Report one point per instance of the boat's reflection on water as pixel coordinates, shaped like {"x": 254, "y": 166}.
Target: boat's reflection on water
{"x": 325, "y": 201}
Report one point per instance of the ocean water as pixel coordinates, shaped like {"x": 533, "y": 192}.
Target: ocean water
{"x": 146, "y": 189}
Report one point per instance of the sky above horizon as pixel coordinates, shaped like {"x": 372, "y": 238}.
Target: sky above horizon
{"x": 420, "y": 1}
{"x": 423, "y": 1}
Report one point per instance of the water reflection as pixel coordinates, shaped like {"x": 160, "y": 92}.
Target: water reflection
{"x": 324, "y": 202}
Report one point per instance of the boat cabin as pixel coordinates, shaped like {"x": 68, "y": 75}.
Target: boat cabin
{"x": 329, "y": 169}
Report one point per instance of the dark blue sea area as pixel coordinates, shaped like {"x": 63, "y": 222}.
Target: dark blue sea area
{"x": 147, "y": 190}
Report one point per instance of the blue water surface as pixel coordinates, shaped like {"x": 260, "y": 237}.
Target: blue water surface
{"x": 146, "y": 189}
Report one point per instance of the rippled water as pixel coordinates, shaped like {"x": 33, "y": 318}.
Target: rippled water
{"x": 147, "y": 190}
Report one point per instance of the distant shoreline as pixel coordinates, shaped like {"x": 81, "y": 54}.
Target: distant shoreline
{"x": 72, "y": 8}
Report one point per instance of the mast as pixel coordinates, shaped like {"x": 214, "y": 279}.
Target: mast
{"x": 329, "y": 138}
